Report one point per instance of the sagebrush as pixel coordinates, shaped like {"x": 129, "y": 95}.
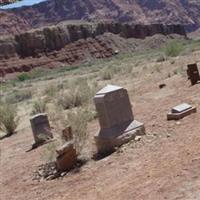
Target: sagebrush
{"x": 8, "y": 118}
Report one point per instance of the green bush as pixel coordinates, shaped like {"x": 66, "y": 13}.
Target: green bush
{"x": 8, "y": 118}
{"x": 23, "y": 77}
{"x": 174, "y": 48}
{"x": 33, "y": 74}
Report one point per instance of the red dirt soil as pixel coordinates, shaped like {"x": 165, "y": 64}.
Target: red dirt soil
{"x": 164, "y": 165}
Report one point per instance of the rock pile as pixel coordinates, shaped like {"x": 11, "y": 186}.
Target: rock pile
{"x": 47, "y": 172}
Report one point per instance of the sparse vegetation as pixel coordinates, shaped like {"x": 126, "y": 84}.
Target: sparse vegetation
{"x": 70, "y": 99}
{"x": 107, "y": 74}
{"x": 49, "y": 153}
{"x": 35, "y": 73}
{"x": 157, "y": 68}
{"x": 18, "y": 95}
{"x": 78, "y": 121}
{"x": 23, "y": 77}
{"x": 174, "y": 48}
{"x": 161, "y": 58}
{"x": 50, "y": 90}
{"x": 78, "y": 93}
{"x": 8, "y": 118}
{"x": 39, "y": 106}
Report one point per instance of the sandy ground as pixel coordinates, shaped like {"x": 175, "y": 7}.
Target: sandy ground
{"x": 164, "y": 165}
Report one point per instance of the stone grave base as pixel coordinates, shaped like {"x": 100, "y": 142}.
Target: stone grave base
{"x": 180, "y": 115}
{"x": 108, "y": 139}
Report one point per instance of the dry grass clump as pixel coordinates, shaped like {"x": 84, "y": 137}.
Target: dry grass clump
{"x": 174, "y": 48}
{"x": 8, "y": 118}
{"x": 107, "y": 74}
{"x": 18, "y": 96}
{"x": 70, "y": 99}
{"x": 49, "y": 153}
{"x": 78, "y": 120}
{"x": 50, "y": 90}
{"x": 79, "y": 93}
{"x": 39, "y": 106}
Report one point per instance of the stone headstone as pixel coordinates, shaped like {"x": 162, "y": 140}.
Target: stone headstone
{"x": 41, "y": 128}
{"x": 181, "y": 108}
{"x": 115, "y": 118}
{"x": 193, "y": 73}
{"x": 181, "y": 111}
{"x": 67, "y": 157}
{"x": 113, "y": 106}
{"x": 65, "y": 148}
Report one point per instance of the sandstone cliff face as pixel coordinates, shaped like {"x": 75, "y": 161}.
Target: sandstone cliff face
{"x": 69, "y": 44}
{"x": 134, "y": 11}
{"x": 34, "y": 43}
{"x": 11, "y": 24}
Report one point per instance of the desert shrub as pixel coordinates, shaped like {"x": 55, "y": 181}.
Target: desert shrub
{"x": 78, "y": 121}
{"x": 49, "y": 153}
{"x": 8, "y": 118}
{"x": 157, "y": 68}
{"x": 107, "y": 74}
{"x": 127, "y": 69}
{"x": 18, "y": 96}
{"x": 78, "y": 94}
{"x": 39, "y": 106}
{"x": 50, "y": 90}
{"x": 33, "y": 74}
{"x": 161, "y": 58}
{"x": 87, "y": 90}
{"x": 179, "y": 70}
{"x": 23, "y": 77}
{"x": 174, "y": 48}
{"x": 70, "y": 99}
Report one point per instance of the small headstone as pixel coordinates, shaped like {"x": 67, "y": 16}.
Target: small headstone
{"x": 65, "y": 148}
{"x": 181, "y": 111}
{"x": 181, "y": 108}
{"x": 41, "y": 128}
{"x": 116, "y": 119}
{"x": 193, "y": 73}
{"x": 66, "y": 158}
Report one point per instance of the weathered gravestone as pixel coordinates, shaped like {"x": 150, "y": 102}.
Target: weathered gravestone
{"x": 116, "y": 119}
{"x": 67, "y": 157}
{"x": 181, "y": 111}
{"x": 193, "y": 73}
{"x": 41, "y": 128}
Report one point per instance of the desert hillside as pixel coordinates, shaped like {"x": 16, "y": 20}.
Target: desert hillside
{"x": 184, "y": 12}
{"x": 69, "y": 44}
{"x": 99, "y": 99}
{"x": 163, "y": 164}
